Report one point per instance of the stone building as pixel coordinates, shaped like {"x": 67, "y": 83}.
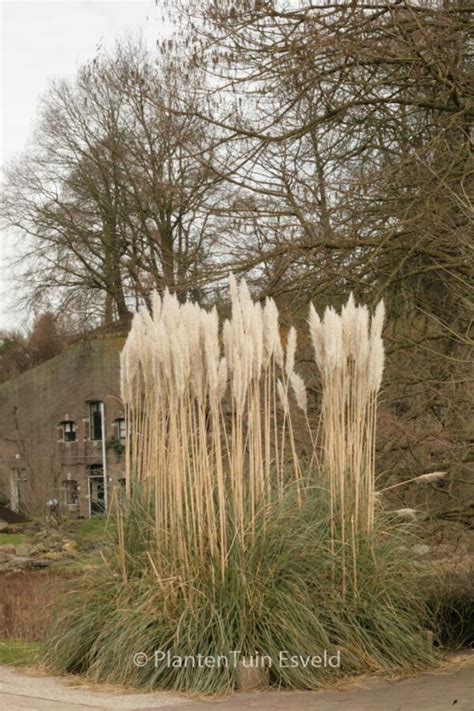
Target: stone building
{"x": 62, "y": 432}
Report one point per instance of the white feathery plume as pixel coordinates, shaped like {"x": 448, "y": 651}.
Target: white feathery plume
{"x": 164, "y": 353}
{"x": 375, "y": 363}
{"x": 376, "y": 324}
{"x": 177, "y": 357}
{"x": 133, "y": 361}
{"x": 237, "y": 320}
{"x": 361, "y": 337}
{"x": 135, "y": 327}
{"x": 169, "y": 309}
{"x": 271, "y": 334}
{"x": 271, "y": 330}
{"x": 227, "y": 339}
{"x": 147, "y": 321}
{"x": 279, "y": 353}
{"x": 233, "y": 290}
{"x": 195, "y": 330}
{"x": 238, "y": 386}
{"x": 246, "y": 304}
{"x": 247, "y": 361}
{"x": 299, "y": 390}
{"x": 282, "y": 395}
{"x": 332, "y": 333}
{"x": 316, "y": 333}
{"x": 137, "y": 340}
{"x": 222, "y": 378}
{"x": 211, "y": 348}
{"x": 432, "y": 476}
{"x": 146, "y": 357}
{"x": 256, "y": 334}
{"x": 158, "y": 378}
{"x": 184, "y": 335}
{"x": 348, "y": 316}
{"x": 408, "y": 514}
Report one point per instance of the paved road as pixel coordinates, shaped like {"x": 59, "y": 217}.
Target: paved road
{"x": 451, "y": 689}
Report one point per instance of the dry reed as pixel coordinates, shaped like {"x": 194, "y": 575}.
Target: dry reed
{"x": 349, "y": 353}
{"x": 205, "y": 434}
{"x": 210, "y": 427}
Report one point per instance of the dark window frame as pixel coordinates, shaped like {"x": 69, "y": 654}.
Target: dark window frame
{"x": 71, "y": 492}
{"x": 69, "y": 429}
{"x": 121, "y": 429}
{"x": 95, "y": 420}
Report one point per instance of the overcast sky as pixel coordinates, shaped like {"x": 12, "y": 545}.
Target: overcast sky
{"x": 42, "y": 40}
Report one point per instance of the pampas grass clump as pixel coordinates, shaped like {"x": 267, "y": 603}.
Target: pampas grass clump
{"x": 208, "y": 440}
{"x": 285, "y": 594}
{"x": 349, "y": 353}
{"x": 231, "y": 539}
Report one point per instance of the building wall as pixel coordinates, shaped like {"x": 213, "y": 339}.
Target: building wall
{"x": 34, "y": 460}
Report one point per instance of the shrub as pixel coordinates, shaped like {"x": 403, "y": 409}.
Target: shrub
{"x": 231, "y": 540}
{"x": 285, "y": 593}
{"x": 24, "y": 604}
{"x": 450, "y": 597}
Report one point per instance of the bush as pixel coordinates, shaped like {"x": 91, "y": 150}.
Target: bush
{"x": 232, "y": 541}
{"x": 285, "y": 593}
{"x": 451, "y": 603}
{"x": 23, "y": 599}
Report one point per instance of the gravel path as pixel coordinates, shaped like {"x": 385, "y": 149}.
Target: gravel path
{"x": 449, "y": 689}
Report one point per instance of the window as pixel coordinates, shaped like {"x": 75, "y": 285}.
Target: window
{"x": 96, "y": 490}
{"x": 121, "y": 429}
{"x": 71, "y": 492}
{"x": 95, "y": 420}
{"x": 69, "y": 431}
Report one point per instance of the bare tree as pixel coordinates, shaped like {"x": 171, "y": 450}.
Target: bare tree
{"x": 344, "y": 102}
{"x": 116, "y": 196}
{"x": 356, "y": 120}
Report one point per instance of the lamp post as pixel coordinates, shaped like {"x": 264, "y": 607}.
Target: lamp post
{"x": 104, "y": 456}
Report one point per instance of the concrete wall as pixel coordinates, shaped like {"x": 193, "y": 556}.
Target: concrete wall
{"x": 34, "y": 464}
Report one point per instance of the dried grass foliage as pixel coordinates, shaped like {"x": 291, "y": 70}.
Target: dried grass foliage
{"x": 210, "y": 413}
{"x": 233, "y": 538}
{"x": 25, "y": 604}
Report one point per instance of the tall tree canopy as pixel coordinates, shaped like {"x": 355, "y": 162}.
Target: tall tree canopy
{"x": 118, "y": 194}
{"x": 357, "y": 123}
